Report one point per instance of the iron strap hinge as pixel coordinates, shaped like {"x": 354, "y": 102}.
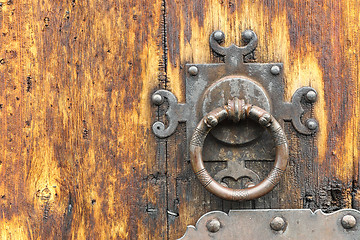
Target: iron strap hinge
{"x": 269, "y": 224}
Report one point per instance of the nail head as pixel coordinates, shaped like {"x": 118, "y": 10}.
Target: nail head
{"x": 275, "y": 70}
{"x": 312, "y": 124}
{"x": 277, "y": 224}
{"x": 311, "y": 96}
{"x": 348, "y": 221}
{"x": 213, "y": 225}
{"x": 157, "y": 99}
{"x": 247, "y": 35}
{"x": 193, "y": 70}
{"x": 219, "y": 36}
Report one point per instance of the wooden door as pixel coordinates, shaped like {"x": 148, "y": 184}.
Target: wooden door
{"x": 78, "y": 157}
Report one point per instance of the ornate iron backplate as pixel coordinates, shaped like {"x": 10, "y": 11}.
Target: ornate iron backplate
{"x": 294, "y": 224}
{"x": 209, "y": 86}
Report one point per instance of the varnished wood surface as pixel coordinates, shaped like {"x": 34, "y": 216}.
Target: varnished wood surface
{"x": 78, "y": 158}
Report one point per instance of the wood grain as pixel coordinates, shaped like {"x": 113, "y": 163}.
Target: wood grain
{"x": 317, "y": 42}
{"x": 78, "y": 160}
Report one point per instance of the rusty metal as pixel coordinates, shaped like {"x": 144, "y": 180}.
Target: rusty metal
{"x": 311, "y": 124}
{"x": 275, "y": 70}
{"x": 271, "y": 224}
{"x": 157, "y": 99}
{"x": 237, "y": 110}
{"x": 220, "y": 92}
{"x": 193, "y": 70}
{"x": 348, "y": 221}
{"x": 176, "y": 112}
{"x": 277, "y": 224}
{"x": 311, "y": 96}
{"x": 211, "y": 85}
{"x": 213, "y": 225}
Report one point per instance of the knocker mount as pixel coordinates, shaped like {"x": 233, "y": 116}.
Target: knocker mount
{"x": 210, "y": 86}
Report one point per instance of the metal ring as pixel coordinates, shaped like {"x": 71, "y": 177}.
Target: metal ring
{"x": 237, "y": 110}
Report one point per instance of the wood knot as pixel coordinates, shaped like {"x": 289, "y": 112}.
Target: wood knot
{"x": 44, "y": 194}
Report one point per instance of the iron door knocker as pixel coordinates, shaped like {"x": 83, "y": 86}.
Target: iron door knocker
{"x": 237, "y": 110}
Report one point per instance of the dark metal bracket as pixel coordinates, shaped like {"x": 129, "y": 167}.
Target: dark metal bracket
{"x": 269, "y": 224}
{"x": 209, "y": 86}
{"x": 180, "y": 112}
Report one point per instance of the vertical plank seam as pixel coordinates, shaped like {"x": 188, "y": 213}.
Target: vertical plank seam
{"x": 355, "y": 178}
{"x": 164, "y": 42}
{"x": 165, "y": 59}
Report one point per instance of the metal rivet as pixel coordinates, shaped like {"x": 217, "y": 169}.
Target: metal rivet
{"x": 311, "y": 96}
{"x": 157, "y": 99}
{"x": 277, "y": 224}
{"x": 213, "y": 225}
{"x": 193, "y": 70}
{"x": 247, "y": 35}
{"x": 311, "y": 124}
{"x": 275, "y": 70}
{"x": 348, "y": 221}
{"x": 249, "y": 184}
{"x": 219, "y": 36}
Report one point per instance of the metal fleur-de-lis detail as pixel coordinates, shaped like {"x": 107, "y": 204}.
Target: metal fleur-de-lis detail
{"x": 233, "y": 55}
{"x": 218, "y": 37}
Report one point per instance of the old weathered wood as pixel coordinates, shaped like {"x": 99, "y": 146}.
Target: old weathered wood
{"x": 78, "y": 158}
{"x": 317, "y": 42}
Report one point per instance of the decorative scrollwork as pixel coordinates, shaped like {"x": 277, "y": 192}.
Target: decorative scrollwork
{"x": 234, "y": 108}
{"x": 294, "y": 110}
{"x": 176, "y": 112}
{"x": 248, "y": 36}
{"x": 237, "y": 170}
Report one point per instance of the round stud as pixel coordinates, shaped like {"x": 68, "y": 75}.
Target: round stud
{"x": 219, "y": 36}
{"x": 247, "y": 35}
{"x": 213, "y": 225}
{"x": 193, "y": 70}
{"x": 277, "y": 224}
{"x": 275, "y": 70}
{"x": 348, "y": 221}
{"x": 311, "y": 96}
{"x": 311, "y": 124}
{"x": 157, "y": 99}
